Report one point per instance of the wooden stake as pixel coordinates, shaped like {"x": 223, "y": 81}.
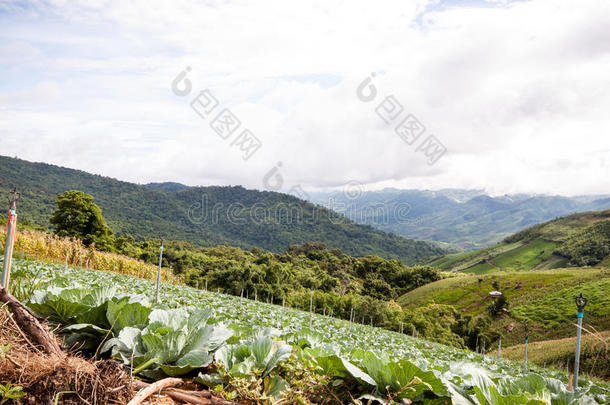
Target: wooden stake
{"x": 159, "y": 273}
{"x": 500, "y": 348}
{"x": 351, "y": 315}
{"x": 310, "y": 308}
{"x": 525, "y": 357}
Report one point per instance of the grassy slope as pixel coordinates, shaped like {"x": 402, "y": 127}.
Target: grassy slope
{"x": 543, "y": 299}
{"x": 539, "y": 289}
{"x": 562, "y": 308}
{"x": 465, "y": 290}
{"x": 532, "y": 248}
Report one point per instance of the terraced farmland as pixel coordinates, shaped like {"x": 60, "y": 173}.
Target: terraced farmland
{"x": 575, "y": 240}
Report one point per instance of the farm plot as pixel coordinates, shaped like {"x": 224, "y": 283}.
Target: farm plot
{"x": 254, "y": 351}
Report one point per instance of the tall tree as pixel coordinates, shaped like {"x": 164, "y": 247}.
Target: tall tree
{"x": 78, "y": 216}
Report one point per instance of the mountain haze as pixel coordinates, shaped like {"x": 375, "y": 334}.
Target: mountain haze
{"x": 469, "y": 219}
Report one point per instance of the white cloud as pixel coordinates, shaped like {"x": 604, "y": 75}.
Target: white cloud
{"x": 518, "y": 92}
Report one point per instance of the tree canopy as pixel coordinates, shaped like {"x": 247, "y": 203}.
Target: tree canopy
{"x": 79, "y": 217}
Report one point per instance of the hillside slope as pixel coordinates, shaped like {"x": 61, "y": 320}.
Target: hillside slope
{"x": 581, "y": 239}
{"x": 206, "y": 216}
{"x": 525, "y": 268}
{"x": 469, "y": 219}
{"x": 544, "y": 300}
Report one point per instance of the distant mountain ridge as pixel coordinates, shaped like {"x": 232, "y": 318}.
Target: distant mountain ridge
{"x": 469, "y": 219}
{"x": 205, "y": 216}
{"x": 167, "y": 186}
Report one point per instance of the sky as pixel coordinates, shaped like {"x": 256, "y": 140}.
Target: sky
{"x": 505, "y": 96}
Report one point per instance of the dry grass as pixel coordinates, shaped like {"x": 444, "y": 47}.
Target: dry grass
{"x": 50, "y": 247}
{"x": 45, "y": 377}
{"x": 595, "y": 353}
{"x": 69, "y": 381}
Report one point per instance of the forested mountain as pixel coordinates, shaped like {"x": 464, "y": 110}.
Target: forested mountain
{"x": 469, "y": 219}
{"x": 206, "y": 216}
{"x": 167, "y": 186}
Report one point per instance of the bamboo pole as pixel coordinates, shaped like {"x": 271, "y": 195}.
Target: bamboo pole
{"x": 159, "y": 273}
{"x": 310, "y": 308}
{"x": 525, "y": 357}
{"x": 499, "y": 355}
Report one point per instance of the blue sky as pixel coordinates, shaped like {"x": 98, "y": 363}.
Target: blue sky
{"x": 517, "y": 93}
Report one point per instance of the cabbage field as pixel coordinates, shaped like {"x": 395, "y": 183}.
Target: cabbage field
{"x": 263, "y": 353}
